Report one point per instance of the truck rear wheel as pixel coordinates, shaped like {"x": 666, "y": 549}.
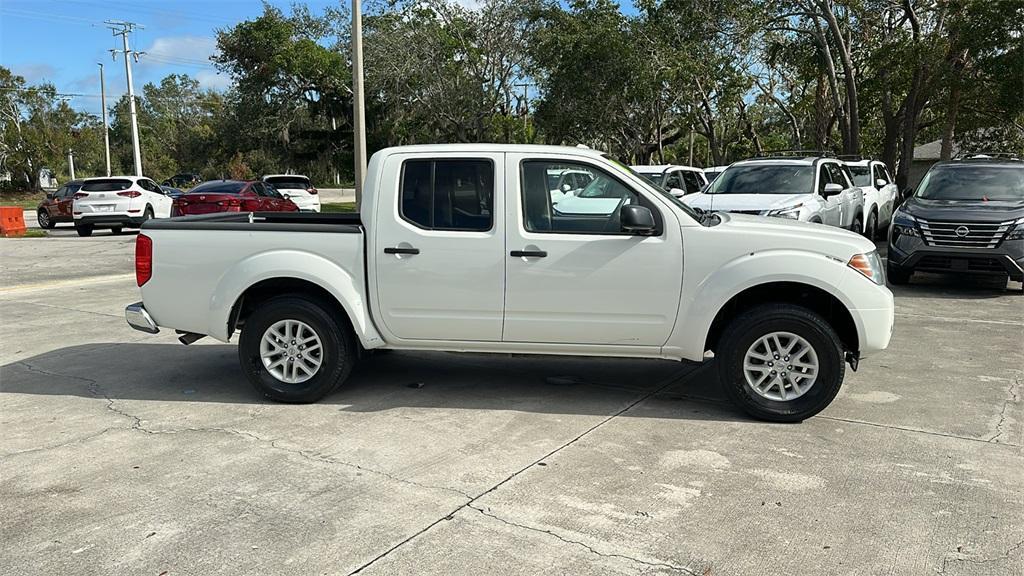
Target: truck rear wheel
{"x": 293, "y": 350}
{"x": 780, "y": 362}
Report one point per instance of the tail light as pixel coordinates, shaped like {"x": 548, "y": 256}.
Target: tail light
{"x": 311, "y": 190}
{"x": 79, "y": 195}
{"x": 230, "y": 202}
{"x": 130, "y": 194}
{"x": 143, "y": 259}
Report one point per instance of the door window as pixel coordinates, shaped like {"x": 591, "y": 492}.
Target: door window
{"x": 61, "y": 193}
{"x": 823, "y": 178}
{"x": 879, "y": 174}
{"x": 836, "y": 174}
{"x": 693, "y": 183}
{"x": 675, "y": 180}
{"x": 150, "y": 186}
{"x": 595, "y": 209}
{"x": 453, "y": 194}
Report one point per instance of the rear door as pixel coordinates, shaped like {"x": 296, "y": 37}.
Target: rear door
{"x": 160, "y": 202}
{"x": 65, "y": 200}
{"x": 572, "y": 275}
{"x": 440, "y": 261}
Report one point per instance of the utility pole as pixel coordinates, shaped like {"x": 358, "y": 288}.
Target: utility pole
{"x": 106, "y": 127}
{"x": 122, "y": 29}
{"x": 358, "y": 104}
{"x": 526, "y": 107}
{"x": 71, "y": 163}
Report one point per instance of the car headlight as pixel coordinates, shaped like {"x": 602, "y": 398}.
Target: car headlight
{"x": 1017, "y": 232}
{"x": 869, "y": 265}
{"x": 793, "y": 212}
{"x": 904, "y": 224}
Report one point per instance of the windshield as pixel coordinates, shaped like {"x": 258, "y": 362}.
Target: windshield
{"x": 764, "y": 179}
{"x": 656, "y": 178}
{"x": 658, "y": 190}
{"x": 219, "y": 187}
{"x": 861, "y": 175}
{"x": 111, "y": 185}
{"x": 289, "y": 182}
{"x": 985, "y": 183}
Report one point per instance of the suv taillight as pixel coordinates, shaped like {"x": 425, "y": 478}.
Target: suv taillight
{"x": 79, "y": 195}
{"x": 143, "y": 259}
{"x": 311, "y": 190}
{"x": 130, "y": 194}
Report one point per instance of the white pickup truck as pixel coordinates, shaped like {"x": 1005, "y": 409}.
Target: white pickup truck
{"x": 458, "y": 248}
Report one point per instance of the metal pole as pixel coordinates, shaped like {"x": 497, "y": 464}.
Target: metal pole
{"x": 106, "y": 127}
{"x": 359, "y": 111}
{"x": 71, "y": 163}
{"x": 123, "y": 29}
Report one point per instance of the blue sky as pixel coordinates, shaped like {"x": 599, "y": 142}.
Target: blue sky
{"x": 60, "y": 41}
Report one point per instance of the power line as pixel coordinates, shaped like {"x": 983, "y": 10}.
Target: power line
{"x": 18, "y": 12}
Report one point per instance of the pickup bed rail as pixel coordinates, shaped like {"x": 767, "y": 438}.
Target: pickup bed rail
{"x": 343, "y": 223}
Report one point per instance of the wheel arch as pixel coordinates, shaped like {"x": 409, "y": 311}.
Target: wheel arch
{"x": 801, "y": 294}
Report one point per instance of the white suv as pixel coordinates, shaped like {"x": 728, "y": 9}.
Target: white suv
{"x": 677, "y": 180}
{"x": 118, "y": 202}
{"x": 880, "y": 195}
{"x": 296, "y": 188}
{"x": 808, "y": 188}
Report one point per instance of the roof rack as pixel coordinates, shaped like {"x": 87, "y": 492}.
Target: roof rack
{"x": 850, "y": 157}
{"x": 988, "y": 156}
{"x": 794, "y": 154}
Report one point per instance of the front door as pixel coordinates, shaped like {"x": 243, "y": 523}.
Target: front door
{"x": 831, "y": 206}
{"x": 572, "y": 275}
{"x": 440, "y": 248}
{"x": 65, "y": 200}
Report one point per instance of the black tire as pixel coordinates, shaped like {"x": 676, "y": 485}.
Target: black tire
{"x": 753, "y": 324}
{"x": 897, "y": 276}
{"x": 84, "y": 230}
{"x": 338, "y": 349}
{"x": 858, "y": 224}
{"x": 147, "y": 215}
{"x": 871, "y": 230}
{"x": 116, "y": 230}
{"x": 44, "y": 219}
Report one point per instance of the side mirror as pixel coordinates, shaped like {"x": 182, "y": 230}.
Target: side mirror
{"x": 677, "y": 192}
{"x": 831, "y": 189}
{"x": 636, "y": 219}
{"x": 49, "y": 195}
{"x": 880, "y": 183}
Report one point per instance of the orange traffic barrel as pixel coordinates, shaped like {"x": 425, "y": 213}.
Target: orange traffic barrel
{"x": 12, "y": 221}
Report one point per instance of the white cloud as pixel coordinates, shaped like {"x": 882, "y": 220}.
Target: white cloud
{"x": 35, "y": 73}
{"x": 213, "y": 80}
{"x": 190, "y": 49}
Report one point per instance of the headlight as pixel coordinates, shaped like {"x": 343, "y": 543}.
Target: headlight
{"x": 793, "y": 212}
{"x": 870, "y": 265}
{"x": 904, "y": 224}
{"x": 1017, "y": 232}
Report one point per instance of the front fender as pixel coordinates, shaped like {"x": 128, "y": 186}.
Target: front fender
{"x": 346, "y": 286}
{"x": 705, "y": 297}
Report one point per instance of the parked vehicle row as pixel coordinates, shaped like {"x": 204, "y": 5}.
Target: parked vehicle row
{"x": 121, "y": 202}
{"x": 677, "y": 180}
{"x": 465, "y": 248}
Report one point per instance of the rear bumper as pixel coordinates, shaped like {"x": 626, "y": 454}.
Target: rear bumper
{"x": 138, "y": 318}
{"x": 108, "y": 220}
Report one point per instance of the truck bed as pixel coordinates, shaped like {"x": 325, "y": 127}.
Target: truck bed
{"x": 263, "y": 221}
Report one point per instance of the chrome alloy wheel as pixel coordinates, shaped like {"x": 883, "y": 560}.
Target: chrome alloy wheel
{"x": 780, "y": 366}
{"x": 291, "y": 351}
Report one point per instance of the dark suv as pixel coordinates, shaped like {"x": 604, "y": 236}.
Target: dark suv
{"x": 966, "y": 217}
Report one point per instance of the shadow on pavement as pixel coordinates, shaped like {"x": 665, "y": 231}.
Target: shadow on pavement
{"x": 543, "y": 384}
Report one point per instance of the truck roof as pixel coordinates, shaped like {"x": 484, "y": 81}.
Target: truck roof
{"x": 494, "y": 147}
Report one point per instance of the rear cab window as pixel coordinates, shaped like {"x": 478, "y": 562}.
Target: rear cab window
{"x": 289, "y": 182}
{"x": 448, "y": 194}
{"x": 107, "y": 185}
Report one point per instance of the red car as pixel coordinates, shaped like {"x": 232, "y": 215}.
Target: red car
{"x": 232, "y": 196}
{"x": 57, "y": 206}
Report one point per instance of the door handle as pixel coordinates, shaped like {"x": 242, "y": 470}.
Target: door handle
{"x": 401, "y": 250}
{"x": 528, "y": 254}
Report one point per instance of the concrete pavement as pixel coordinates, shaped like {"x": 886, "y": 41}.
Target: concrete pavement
{"x": 124, "y": 453}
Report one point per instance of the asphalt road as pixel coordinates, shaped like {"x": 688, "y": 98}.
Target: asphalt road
{"x": 125, "y": 453}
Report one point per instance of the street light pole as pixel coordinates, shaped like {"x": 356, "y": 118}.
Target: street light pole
{"x": 358, "y": 104}
{"x": 106, "y": 127}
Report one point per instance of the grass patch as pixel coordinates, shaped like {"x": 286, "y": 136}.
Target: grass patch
{"x": 25, "y": 200}
{"x": 33, "y": 233}
{"x": 338, "y": 207}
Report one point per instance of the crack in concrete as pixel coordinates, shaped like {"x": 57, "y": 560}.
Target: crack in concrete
{"x": 1012, "y": 398}
{"x": 961, "y": 558}
{"x": 591, "y": 549}
{"x": 657, "y": 389}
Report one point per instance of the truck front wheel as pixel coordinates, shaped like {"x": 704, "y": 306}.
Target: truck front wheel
{"x": 780, "y": 362}
{"x": 293, "y": 350}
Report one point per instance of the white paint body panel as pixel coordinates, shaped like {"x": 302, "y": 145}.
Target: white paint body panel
{"x": 600, "y": 295}
{"x": 110, "y": 204}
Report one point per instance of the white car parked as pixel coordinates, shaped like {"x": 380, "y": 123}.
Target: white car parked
{"x": 880, "y": 195}
{"x": 567, "y": 182}
{"x": 677, "y": 180}
{"x": 118, "y": 202}
{"x": 713, "y": 172}
{"x": 809, "y": 189}
{"x": 296, "y": 188}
